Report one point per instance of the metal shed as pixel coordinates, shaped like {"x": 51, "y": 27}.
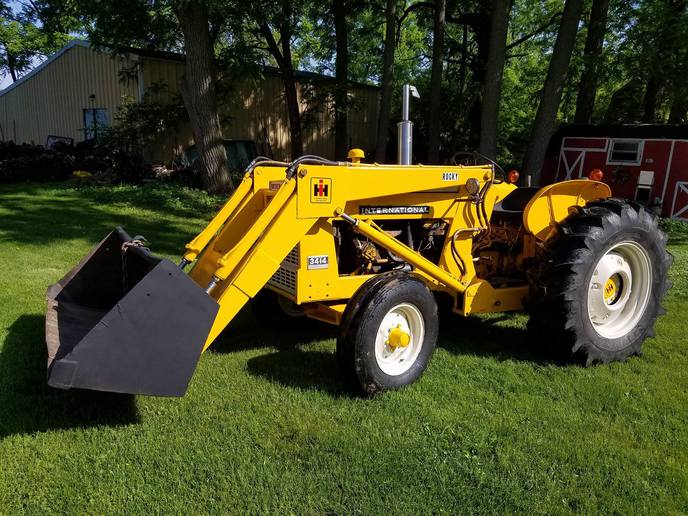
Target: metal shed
{"x": 80, "y": 83}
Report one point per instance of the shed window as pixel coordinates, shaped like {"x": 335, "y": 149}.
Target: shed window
{"x": 95, "y": 120}
{"x": 625, "y": 152}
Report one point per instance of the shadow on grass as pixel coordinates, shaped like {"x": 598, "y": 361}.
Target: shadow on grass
{"x": 302, "y": 369}
{"x": 40, "y": 217}
{"x": 28, "y": 405}
{"x": 488, "y": 337}
{"x": 246, "y": 333}
{"x": 293, "y": 366}
{"x": 680, "y": 239}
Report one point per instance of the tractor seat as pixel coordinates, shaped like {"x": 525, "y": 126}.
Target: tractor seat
{"x": 514, "y": 203}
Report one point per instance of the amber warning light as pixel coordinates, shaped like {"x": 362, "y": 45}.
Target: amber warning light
{"x": 596, "y": 174}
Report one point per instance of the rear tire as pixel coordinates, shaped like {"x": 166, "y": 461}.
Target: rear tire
{"x": 599, "y": 292}
{"x": 388, "y": 333}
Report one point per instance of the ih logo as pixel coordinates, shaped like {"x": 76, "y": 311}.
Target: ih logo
{"x": 609, "y": 289}
{"x": 321, "y": 190}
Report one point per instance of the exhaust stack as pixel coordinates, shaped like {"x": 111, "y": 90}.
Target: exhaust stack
{"x": 405, "y": 127}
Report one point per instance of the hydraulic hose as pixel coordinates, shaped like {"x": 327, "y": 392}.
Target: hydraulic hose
{"x": 309, "y": 159}
{"x": 265, "y": 162}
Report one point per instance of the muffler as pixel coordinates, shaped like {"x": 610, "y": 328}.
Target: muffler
{"x": 124, "y": 320}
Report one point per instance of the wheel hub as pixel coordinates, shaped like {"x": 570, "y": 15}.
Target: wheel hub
{"x": 611, "y": 289}
{"x": 399, "y": 339}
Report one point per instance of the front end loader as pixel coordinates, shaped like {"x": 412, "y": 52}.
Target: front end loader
{"x": 370, "y": 248}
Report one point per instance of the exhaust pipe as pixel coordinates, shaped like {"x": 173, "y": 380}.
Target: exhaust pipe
{"x": 405, "y": 127}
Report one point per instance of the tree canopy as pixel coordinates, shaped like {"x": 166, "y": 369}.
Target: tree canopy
{"x": 493, "y": 75}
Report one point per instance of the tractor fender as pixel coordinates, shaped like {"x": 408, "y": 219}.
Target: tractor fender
{"x": 553, "y": 203}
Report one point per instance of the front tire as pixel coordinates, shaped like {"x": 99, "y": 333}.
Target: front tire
{"x": 388, "y": 333}
{"x": 599, "y": 292}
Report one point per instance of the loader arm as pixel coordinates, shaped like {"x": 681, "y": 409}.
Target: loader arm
{"x": 194, "y": 248}
{"x": 247, "y": 266}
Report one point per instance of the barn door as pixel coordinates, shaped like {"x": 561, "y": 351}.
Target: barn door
{"x": 570, "y": 164}
{"x": 679, "y": 208}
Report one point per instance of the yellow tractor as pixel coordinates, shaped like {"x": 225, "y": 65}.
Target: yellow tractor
{"x": 370, "y": 248}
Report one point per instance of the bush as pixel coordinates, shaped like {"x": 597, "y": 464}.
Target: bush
{"x": 676, "y": 229}
{"x": 137, "y": 126}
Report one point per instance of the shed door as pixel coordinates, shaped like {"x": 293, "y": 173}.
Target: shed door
{"x": 570, "y": 164}
{"x": 680, "y": 205}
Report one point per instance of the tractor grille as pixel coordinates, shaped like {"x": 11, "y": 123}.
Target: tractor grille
{"x": 285, "y": 277}
{"x": 293, "y": 257}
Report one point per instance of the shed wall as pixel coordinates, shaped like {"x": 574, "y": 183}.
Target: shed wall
{"x": 256, "y": 110}
{"x": 665, "y": 159}
{"x": 52, "y": 101}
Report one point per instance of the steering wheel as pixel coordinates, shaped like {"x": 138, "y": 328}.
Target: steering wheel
{"x": 476, "y": 158}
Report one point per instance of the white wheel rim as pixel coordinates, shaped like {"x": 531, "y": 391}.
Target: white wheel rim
{"x": 619, "y": 290}
{"x": 395, "y": 361}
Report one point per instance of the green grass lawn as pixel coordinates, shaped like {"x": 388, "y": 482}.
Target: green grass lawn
{"x": 267, "y": 424}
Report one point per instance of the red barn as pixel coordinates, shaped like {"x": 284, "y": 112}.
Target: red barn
{"x": 648, "y": 163}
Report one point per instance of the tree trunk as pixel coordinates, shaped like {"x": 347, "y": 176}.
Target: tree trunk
{"x": 479, "y": 23}
{"x": 387, "y": 78}
{"x": 293, "y": 112}
{"x": 493, "y": 78}
{"x": 546, "y": 116}
{"x": 199, "y": 95}
{"x": 677, "y": 88}
{"x": 284, "y": 62}
{"x": 667, "y": 63}
{"x": 341, "y": 99}
{"x": 587, "y": 88}
{"x": 623, "y": 105}
{"x": 464, "y": 60}
{"x": 436, "y": 82}
{"x": 11, "y": 60}
{"x": 650, "y": 99}
{"x": 292, "y": 98}
{"x": 678, "y": 114}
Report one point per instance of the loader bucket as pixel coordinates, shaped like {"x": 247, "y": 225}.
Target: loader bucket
{"x": 124, "y": 320}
